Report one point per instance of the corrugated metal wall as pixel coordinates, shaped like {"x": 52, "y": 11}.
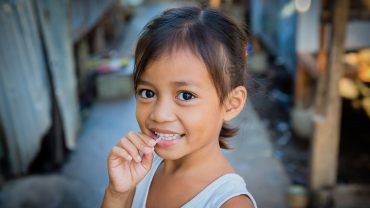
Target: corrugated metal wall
{"x": 25, "y": 105}
{"x": 55, "y": 29}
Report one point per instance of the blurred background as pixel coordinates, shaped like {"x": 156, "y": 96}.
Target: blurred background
{"x": 66, "y": 97}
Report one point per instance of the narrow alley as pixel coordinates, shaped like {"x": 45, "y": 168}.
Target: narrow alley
{"x": 60, "y": 120}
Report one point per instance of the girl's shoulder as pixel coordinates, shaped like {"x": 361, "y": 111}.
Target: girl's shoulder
{"x": 221, "y": 190}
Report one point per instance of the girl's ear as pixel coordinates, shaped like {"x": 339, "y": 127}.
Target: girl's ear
{"x": 235, "y": 102}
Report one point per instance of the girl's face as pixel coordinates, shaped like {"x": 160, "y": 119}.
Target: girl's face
{"x": 177, "y": 103}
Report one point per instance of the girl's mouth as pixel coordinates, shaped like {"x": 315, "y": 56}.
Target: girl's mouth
{"x": 160, "y": 136}
{"x": 167, "y": 140}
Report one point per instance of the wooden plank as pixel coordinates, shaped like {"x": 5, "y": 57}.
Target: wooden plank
{"x": 322, "y": 61}
{"x": 325, "y": 143}
{"x": 300, "y": 83}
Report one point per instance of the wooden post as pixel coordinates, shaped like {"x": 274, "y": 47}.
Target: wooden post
{"x": 306, "y": 71}
{"x": 325, "y": 143}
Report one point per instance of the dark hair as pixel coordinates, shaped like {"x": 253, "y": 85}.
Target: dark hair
{"x": 213, "y": 36}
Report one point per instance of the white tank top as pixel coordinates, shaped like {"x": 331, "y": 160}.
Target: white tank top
{"x": 214, "y": 195}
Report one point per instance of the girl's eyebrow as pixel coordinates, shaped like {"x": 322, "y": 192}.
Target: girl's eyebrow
{"x": 144, "y": 82}
{"x": 184, "y": 83}
{"x": 176, "y": 83}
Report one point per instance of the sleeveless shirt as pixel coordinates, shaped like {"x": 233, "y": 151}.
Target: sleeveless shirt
{"x": 214, "y": 195}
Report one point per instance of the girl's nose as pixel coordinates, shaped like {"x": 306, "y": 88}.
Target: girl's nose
{"x": 162, "y": 112}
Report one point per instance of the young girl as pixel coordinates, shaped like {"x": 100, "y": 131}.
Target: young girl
{"x": 190, "y": 67}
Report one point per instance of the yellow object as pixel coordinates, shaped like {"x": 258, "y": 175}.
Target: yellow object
{"x": 364, "y": 73}
{"x": 364, "y": 56}
{"x": 351, "y": 58}
{"x": 360, "y": 60}
{"x": 348, "y": 88}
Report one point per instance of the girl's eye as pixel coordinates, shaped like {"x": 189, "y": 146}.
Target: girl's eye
{"x": 145, "y": 93}
{"x": 185, "y": 96}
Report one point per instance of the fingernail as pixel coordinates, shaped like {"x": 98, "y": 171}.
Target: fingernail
{"x": 138, "y": 158}
{"x": 152, "y": 142}
{"x": 129, "y": 158}
{"x": 148, "y": 149}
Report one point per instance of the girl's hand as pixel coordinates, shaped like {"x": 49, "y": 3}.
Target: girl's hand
{"x": 126, "y": 168}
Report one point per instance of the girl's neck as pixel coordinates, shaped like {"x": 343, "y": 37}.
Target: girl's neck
{"x": 207, "y": 158}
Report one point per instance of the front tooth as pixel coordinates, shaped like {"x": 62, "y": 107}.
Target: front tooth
{"x": 166, "y": 136}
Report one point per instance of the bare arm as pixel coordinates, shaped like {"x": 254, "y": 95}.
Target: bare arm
{"x": 113, "y": 199}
